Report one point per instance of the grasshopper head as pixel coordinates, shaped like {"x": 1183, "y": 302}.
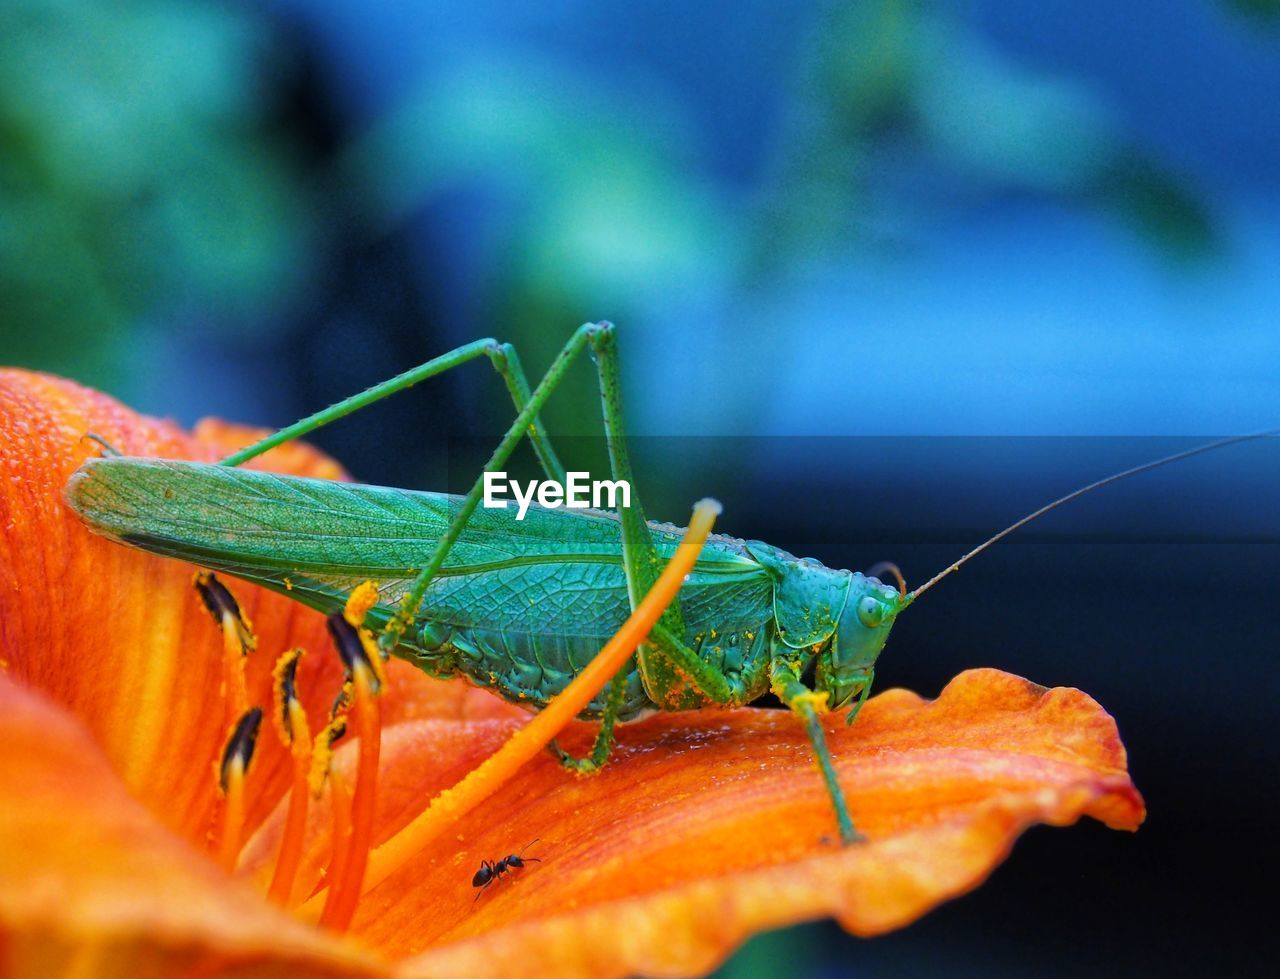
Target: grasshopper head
{"x": 845, "y": 665}
{"x": 842, "y": 616}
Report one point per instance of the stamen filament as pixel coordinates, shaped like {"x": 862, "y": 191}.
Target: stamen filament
{"x": 345, "y": 890}
{"x": 233, "y": 655}
{"x": 290, "y": 855}
{"x": 527, "y": 742}
{"x": 237, "y": 639}
{"x": 340, "y": 803}
{"x": 232, "y": 833}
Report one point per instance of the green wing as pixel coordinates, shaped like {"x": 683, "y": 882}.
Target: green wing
{"x": 557, "y": 572}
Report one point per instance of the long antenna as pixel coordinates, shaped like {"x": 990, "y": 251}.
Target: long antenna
{"x": 1207, "y": 447}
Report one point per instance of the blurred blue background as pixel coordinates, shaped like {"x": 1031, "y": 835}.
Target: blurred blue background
{"x": 909, "y": 230}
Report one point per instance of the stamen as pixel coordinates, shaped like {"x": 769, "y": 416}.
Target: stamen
{"x": 340, "y": 801}
{"x": 231, "y": 774}
{"x": 360, "y": 655}
{"x": 354, "y": 643}
{"x": 341, "y": 702}
{"x": 223, "y": 606}
{"x": 345, "y": 890}
{"x": 293, "y": 730}
{"x": 452, "y": 804}
{"x": 237, "y": 639}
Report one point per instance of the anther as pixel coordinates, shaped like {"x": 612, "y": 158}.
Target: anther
{"x": 359, "y": 602}
{"x": 355, "y": 647}
{"x": 296, "y": 736}
{"x": 322, "y": 753}
{"x": 237, "y": 639}
{"x": 284, "y": 686}
{"x": 341, "y": 701}
{"x": 236, "y": 758}
{"x": 224, "y": 608}
{"x": 239, "y": 748}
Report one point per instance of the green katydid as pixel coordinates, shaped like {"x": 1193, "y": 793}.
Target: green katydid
{"x": 521, "y": 607}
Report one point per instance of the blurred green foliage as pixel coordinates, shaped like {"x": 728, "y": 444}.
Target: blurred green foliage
{"x": 897, "y": 116}
{"x": 1262, "y": 9}
{"x": 904, "y": 114}
{"x": 138, "y": 178}
{"x": 145, "y": 185}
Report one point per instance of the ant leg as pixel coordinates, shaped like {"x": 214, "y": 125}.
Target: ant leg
{"x": 484, "y": 888}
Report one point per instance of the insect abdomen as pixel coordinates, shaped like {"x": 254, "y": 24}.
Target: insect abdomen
{"x": 522, "y": 668}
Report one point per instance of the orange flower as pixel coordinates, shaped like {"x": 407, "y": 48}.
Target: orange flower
{"x": 705, "y": 828}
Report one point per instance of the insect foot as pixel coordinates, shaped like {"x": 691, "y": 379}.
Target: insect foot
{"x": 579, "y": 766}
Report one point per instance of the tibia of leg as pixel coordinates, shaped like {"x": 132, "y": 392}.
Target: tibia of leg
{"x": 604, "y": 739}
{"x": 639, "y": 554}
{"x": 403, "y": 618}
{"x": 807, "y": 705}
{"x": 506, "y": 362}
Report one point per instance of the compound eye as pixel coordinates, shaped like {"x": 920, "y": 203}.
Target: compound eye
{"x": 870, "y": 612}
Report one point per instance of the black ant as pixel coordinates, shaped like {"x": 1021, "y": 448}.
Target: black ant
{"x": 491, "y": 870}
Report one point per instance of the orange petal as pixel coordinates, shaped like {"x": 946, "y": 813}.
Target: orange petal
{"x": 710, "y": 826}
{"x": 411, "y": 695}
{"x": 706, "y": 828}
{"x": 119, "y": 637}
{"x": 89, "y": 878}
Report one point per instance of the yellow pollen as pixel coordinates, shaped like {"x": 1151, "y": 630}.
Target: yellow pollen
{"x": 283, "y": 702}
{"x": 817, "y": 699}
{"x": 322, "y": 754}
{"x": 359, "y": 602}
